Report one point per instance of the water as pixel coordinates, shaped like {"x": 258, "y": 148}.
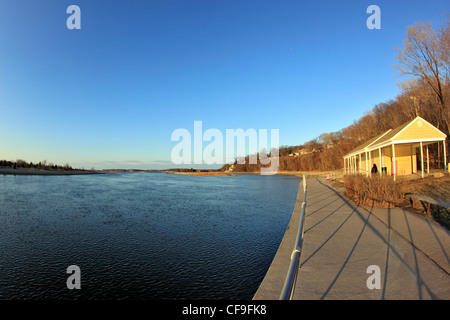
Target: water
{"x": 140, "y": 235}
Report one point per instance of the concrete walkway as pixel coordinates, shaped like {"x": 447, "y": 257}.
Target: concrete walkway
{"x": 342, "y": 240}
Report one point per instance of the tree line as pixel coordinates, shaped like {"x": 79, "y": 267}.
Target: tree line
{"x": 425, "y": 60}
{"x": 42, "y": 165}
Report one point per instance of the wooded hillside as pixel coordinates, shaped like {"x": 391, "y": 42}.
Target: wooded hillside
{"x": 425, "y": 61}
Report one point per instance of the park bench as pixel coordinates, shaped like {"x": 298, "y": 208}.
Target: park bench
{"x": 438, "y": 203}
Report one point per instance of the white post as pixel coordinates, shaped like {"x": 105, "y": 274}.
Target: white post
{"x": 350, "y": 165}
{"x": 421, "y": 157}
{"x": 367, "y": 164}
{"x": 353, "y": 165}
{"x": 360, "y": 163}
{"x": 445, "y": 158}
{"x": 439, "y": 153}
{"x": 393, "y": 161}
{"x": 428, "y": 161}
{"x": 379, "y": 154}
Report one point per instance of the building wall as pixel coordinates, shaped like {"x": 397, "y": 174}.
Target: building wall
{"x": 374, "y": 155}
{"x": 420, "y": 130}
{"x": 414, "y": 158}
{"x": 364, "y": 169}
{"x": 388, "y": 160}
{"x": 385, "y": 159}
{"x": 403, "y": 159}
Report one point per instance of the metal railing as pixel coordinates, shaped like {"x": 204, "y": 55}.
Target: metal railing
{"x": 291, "y": 277}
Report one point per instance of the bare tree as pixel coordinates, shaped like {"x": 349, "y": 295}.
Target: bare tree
{"x": 422, "y": 57}
{"x": 444, "y": 45}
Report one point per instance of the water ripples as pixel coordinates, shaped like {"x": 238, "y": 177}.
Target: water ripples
{"x": 140, "y": 236}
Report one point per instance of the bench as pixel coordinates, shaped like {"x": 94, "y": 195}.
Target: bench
{"x": 439, "y": 203}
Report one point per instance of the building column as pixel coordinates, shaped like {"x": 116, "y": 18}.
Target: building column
{"x": 421, "y": 157}
{"x": 394, "y": 171}
{"x": 354, "y": 164}
{"x": 445, "y": 158}
{"x": 367, "y": 163}
{"x": 360, "y": 163}
{"x": 428, "y": 161}
{"x": 379, "y": 154}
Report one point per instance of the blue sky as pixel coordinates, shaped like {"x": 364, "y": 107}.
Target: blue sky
{"x": 111, "y": 94}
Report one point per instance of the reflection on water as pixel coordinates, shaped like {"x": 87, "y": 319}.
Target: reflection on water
{"x": 140, "y": 235}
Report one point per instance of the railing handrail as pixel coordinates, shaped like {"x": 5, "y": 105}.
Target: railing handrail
{"x": 291, "y": 277}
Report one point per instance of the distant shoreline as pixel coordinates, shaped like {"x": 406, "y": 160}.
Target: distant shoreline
{"x": 50, "y": 172}
{"x": 35, "y": 172}
{"x": 298, "y": 174}
{"x": 289, "y": 173}
{"x": 210, "y": 174}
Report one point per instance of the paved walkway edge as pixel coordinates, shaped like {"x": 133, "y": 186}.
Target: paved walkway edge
{"x": 425, "y": 235}
{"x": 272, "y": 284}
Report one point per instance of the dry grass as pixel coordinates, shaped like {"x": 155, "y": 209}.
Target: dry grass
{"x": 430, "y": 186}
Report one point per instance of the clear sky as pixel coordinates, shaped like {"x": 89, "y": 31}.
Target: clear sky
{"x": 110, "y": 94}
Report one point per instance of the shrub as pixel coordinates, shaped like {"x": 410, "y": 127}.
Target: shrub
{"x": 374, "y": 190}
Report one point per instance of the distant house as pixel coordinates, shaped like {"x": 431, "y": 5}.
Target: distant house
{"x": 395, "y": 151}
{"x": 304, "y": 151}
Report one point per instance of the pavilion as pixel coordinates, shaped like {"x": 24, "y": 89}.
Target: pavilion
{"x": 395, "y": 151}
